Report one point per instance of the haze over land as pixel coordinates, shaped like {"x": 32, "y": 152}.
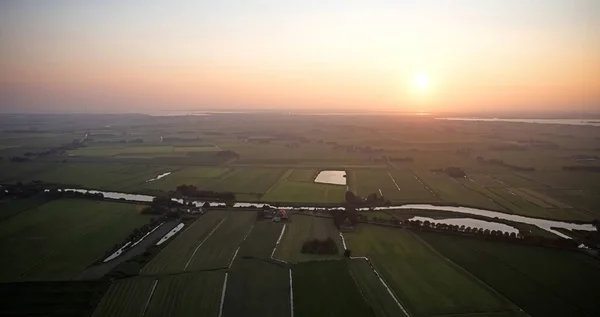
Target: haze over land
{"x": 430, "y": 56}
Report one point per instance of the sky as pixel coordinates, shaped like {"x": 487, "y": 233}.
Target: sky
{"x": 338, "y": 55}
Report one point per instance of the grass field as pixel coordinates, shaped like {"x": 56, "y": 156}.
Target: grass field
{"x": 381, "y": 302}
{"x": 303, "y": 175}
{"x": 65, "y": 298}
{"x": 247, "y": 180}
{"x": 175, "y": 256}
{"x": 302, "y": 228}
{"x": 217, "y": 251}
{"x": 197, "y": 294}
{"x": 125, "y": 298}
{"x": 541, "y": 281}
{"x": 9, "y": 208}
{"x": 198, "y": 176}
{"x": 452, "y": 190}
{"x": 253, "y": 281}
{"x": 62, "y": 237}
{"x": 424, "y": 282}
{"x": 326, "y": 288}
{"x": 306, "y": 192}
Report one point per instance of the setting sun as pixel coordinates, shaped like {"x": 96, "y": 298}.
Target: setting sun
{"x": 421, "y": 82}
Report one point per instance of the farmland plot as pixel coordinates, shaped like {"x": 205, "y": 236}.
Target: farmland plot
{"x": 410, "y": 188}
{"x": 177, "y": 254}
{"x": 248, "y": 180}
{"x": 452, "y": 190}
{"x": 218, "y": 249}
{"x": 62, "y": 237}
{"x": 381, "y": 301}
{"x": 295, "y": 192}
{"x": 326, "y": 288}
{"x": 302, "y": 228}
{"x": 196, "y": 294}
{"x": 424, "y": 282}
{"x": 65, "y": 298}
{"x": 125, "y": 298}
{"x": 376, "y": 181}
{"x": 562, "y": 281}
{"x": 254, "y": 280}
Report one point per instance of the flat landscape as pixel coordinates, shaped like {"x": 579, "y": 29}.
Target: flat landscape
{"x": 261, "y": 261}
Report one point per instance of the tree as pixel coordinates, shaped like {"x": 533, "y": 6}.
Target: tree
{"x": 161, "y": 201}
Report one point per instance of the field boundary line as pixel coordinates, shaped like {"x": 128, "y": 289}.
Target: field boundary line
{"x": 223, "y": 295}
{"x": 360, "y": 290}
{"x": 393, "y": 180}
{"x": 201, "y": 243}
{"x": 378, "y": 276}
{"x": 149, "y": 298}
{"x": 239, "y": 246}
{"x": 277, "y": 244}
{"x": 291, "y": 296}
{"x": 469, "y": 274}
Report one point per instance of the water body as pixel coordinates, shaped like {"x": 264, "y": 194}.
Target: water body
{"x": 470, "y": 222}
{"x": 331, "y": 177}
{"x": 170, "y": 233}
{"x": 158, "y": 177}
{"x": 544, "y": 121}
{"x": 541, "y": 223}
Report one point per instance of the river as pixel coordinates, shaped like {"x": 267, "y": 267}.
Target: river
{"x": 541, "y": 223}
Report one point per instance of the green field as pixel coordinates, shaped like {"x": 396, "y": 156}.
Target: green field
{"x": 302, "y": 228}
{"x": 247, "y": 180}
{"x": 65, "y": 298}
{"x": 326, "y": 288}
{"x": 295, "y": 192}
{"x": 200, "y": 177}
{"x": 178, "y": 253}
{"x": 541, "y": 281}
{"x": 62, "y": 237}
{"x": 259, "y": 280}
{"x": 125, "y": 298}
{"x": 217, "y": 251}
{"x": 381, "y": 302}
{"x": 197, "y": 294}
{"x": 424, "y": 282}
{"x": 9, "y": 208}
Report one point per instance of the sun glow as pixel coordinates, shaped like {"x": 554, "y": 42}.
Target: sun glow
{"x": 421, "y": 82}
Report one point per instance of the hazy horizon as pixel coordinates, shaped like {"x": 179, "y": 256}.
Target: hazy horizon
{"x": 430, "y": 56}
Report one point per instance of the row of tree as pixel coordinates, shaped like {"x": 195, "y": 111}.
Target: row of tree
{"x": 192, "y": 191}
{"x": 493, "y": 234}
{"x": 317, "y": 246}
{"x": 372, "y": 199}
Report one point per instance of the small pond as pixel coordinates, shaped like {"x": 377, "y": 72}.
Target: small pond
{"x": 331, "y": 177}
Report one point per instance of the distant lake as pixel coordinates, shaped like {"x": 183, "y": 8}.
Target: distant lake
{"x": 591, "y": 122}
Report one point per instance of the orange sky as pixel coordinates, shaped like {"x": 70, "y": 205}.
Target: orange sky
{"x": 343, "y": 55}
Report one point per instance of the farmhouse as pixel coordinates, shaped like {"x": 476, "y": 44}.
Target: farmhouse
{"x": 279, "y": 215}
